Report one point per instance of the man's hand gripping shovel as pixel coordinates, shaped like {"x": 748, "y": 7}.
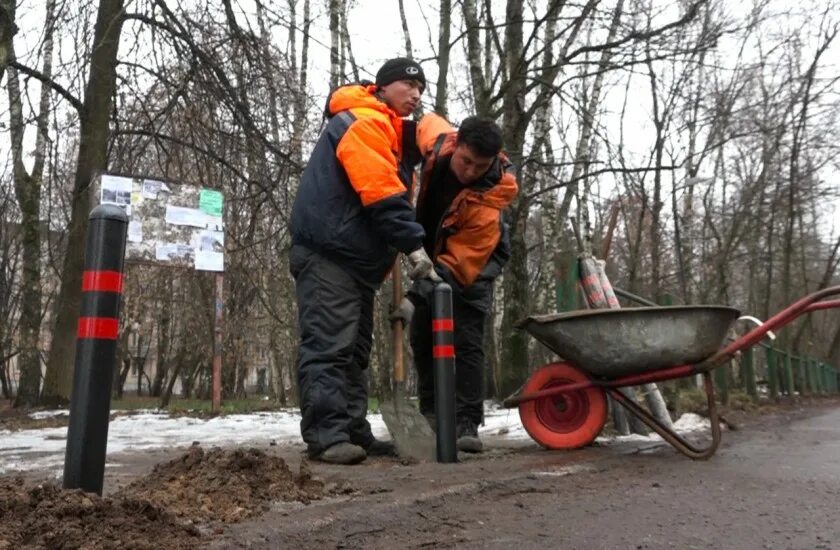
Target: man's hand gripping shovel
{"x": 411, "y": 432}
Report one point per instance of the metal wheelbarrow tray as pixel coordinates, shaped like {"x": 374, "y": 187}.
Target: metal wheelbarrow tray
{"x": 609, "y": 343}
{"x": 563, "y": 405}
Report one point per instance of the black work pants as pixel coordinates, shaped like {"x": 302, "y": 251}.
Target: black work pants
{"x": 335, "y": 318}
{"x": 469, "y": 353}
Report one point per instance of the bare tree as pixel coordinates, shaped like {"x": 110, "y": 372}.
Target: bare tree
{"x": 92, "y": 158}
{"x": 443, "y": 55}
{"x": 28, "y": 192}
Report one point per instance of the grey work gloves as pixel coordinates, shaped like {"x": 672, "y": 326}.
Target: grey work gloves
{"x": 404, "y": 312}
{"x": 421, "y": 266}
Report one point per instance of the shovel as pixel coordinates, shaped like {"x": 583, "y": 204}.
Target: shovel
{"x": 410, "y": 431}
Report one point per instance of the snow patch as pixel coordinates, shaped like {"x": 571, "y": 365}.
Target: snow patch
{"x": 40, "y": 415}
{"x": 43, "y": 449}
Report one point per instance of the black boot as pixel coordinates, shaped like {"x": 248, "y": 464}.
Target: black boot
{"x": 381, "y": 448}
{"x": 342, "y": 453}
{"x": 467, "y": 434}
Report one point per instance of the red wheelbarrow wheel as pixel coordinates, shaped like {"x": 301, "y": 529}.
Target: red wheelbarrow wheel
{"x": 568, "y": 421}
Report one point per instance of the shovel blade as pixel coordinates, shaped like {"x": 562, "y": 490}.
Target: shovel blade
{"x": 409, "y": 429}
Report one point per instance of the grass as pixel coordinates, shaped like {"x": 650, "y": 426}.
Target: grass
{"x": 202, "y": 407}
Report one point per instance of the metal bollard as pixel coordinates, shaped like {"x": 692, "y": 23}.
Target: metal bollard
{"x": 443, "y": 351}
{"x": 96, "y": 349}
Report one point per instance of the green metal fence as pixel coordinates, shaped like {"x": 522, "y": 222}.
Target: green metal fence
{"x": 766, "y": 370}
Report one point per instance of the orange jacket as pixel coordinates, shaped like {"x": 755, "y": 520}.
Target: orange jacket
{"x": 472, "y": 227}
{"x": 372, "y": 148}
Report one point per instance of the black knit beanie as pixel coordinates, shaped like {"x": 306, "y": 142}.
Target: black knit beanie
{"x": 400, "y": 68}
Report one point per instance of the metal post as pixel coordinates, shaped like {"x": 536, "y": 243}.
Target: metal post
{"x": 748, "y": 373}
{"x": 826, "y": 377}
{"x": 217, "y": 343}
{"x": 803, "y": 376}
{"x": 818, "y": 377}
{"x": 443, "y": 351}
{"x": 772, "y": 373}
{"x": 789, "y": 375}
{"x": 96, "y": 349}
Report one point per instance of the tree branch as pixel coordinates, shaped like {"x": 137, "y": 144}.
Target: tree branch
{"x": 58, "y": 88}
{"x": 596, "y": 173}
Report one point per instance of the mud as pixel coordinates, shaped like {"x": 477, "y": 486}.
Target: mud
{"x": 45, "y": 516}
{"x": 178, "y": 504}
{"x": 225, "y": 485}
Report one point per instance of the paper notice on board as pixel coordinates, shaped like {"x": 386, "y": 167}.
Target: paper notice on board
{"x": 151, "y": 188}
{"x": 177, "y": 215}
{"x": 174, "y": 252}
{"x": 209, "y": 240}
{"x": 206, "y": 260}
{"x": 135, "y": 232}
{"x": 115, "y": 190}
{"x": 214, "y": 223}
{"x": 210, "y": 202}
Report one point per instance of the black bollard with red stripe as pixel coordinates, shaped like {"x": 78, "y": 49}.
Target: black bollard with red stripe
{"x": 443, "y": 351}
{"x": 96, "y": 349}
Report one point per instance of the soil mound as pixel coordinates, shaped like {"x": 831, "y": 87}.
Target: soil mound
{"x": 225, "y": 485}
{"x": 46, "y": 516}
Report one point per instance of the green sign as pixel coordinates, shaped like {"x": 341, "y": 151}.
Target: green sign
{"x": 210, "y": 202}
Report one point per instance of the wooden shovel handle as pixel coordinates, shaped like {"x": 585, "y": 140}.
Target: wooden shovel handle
{"x": 397, "y": 325}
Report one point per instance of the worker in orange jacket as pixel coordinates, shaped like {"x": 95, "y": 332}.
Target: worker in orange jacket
{"x": 351, "y": 216}
{"x": 467, "y": 184}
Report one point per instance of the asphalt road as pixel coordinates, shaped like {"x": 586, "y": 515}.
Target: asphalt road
{"x": 775, "y": 483}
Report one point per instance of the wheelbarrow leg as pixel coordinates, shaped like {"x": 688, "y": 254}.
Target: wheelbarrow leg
{"x": 670, "y": 435}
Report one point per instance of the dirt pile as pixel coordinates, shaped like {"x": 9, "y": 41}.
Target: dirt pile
{"x": 49, "y": 517}
{"x": 225, "y": 485}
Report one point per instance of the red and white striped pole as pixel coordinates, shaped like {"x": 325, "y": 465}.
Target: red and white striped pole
{"x": 443, "y": 352}
{"x": 96, "y": 349}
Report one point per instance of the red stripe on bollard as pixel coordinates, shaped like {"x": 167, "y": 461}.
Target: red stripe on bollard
{"x": 443, "y": 351}
{"x": 102, "y": 328}
{"x": 102, "y": 281}
{"x": 439, "y": 325}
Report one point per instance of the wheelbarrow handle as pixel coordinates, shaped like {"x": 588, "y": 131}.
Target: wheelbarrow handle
{"x": 811, "y": 302}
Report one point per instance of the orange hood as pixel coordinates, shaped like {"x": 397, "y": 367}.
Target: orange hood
{"x": 502, "y": 194}
{"x": 354, "y": 96}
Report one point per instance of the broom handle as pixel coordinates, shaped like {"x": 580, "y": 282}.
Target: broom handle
{"x": 396, "y": 325}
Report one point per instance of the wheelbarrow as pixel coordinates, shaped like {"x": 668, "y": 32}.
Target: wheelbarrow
{"x": 563, "y": 405}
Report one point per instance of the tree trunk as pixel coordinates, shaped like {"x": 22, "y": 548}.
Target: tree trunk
{"x": 162, "y": 358}
{"x": 278, "y": 381}
{"x": 834, "y": 349}
{"x": 5, "y": 386}
{"x": 656, "y": 207}
{"x": 335, "y": 42}
{"x": 514, "y": 358}
{"x": 167, "y": 393}
{"x": 28, "y": 192}
{"x": 7, "y": 31}
{"x": 92, "y": 159}
{"x": 443, "y": 56}
{"x": 346, "y": 44}
{"x": 478, "y": 81}
{"x": 409, "y": 49}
